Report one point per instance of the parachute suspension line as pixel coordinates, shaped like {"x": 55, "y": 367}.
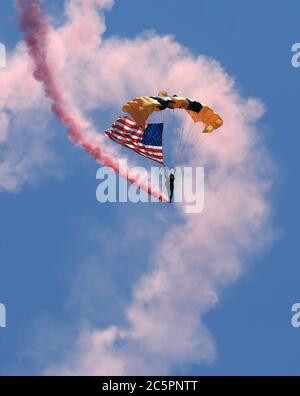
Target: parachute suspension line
{"x": 198, "y": 142}
{"x": 161, "y": 117}
{"x": 195, "y": 138}
{"x": 173, "y": 124}
{"x": 163, "y": 121}
{"x": 186, "y": 143}
{"x": 177, "y": 139}
{"x": 169, "y": 117}
{"x": 178, "y": 146}
{"x": 169, "y": 125}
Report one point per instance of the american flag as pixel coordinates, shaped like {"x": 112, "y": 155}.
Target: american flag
{"x": 146, "y": 142}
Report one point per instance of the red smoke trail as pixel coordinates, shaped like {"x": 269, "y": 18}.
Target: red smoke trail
{"x": 35, "y": 29}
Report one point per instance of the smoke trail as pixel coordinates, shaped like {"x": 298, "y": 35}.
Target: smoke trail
{"x": 35, "y": 29}
{"x": 201, "y": 255}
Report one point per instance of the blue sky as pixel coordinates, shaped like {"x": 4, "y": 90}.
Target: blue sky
{"x": 44, "y": 233}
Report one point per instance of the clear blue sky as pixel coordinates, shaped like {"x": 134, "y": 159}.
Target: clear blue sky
{"x": 42, "y": 228}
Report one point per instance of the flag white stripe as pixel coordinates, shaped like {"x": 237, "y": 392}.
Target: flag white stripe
{"x": 125, "y": 132}
{"x": 134, "y": 148}
{"x": 137, "y": 145}
{"x": 136, "y": 141}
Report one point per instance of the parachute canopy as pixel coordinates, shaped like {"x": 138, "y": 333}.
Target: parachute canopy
{"x": 141, "y": 107}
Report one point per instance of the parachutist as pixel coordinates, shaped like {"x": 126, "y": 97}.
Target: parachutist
{"x": 170, "y": 181}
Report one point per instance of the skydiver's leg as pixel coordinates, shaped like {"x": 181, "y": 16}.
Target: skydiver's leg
{"x": 172, "y": 191}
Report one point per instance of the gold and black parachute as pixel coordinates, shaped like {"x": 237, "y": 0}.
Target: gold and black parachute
{"x": 141, "y": 107}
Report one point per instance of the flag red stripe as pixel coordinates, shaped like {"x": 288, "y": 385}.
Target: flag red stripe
{"x": 158, "y": 153}
{"x": 124, "y": 131}
{"x": 137, "y": 151}
{"x": 134, "y": 141}
{"x": 129, "y": 133}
